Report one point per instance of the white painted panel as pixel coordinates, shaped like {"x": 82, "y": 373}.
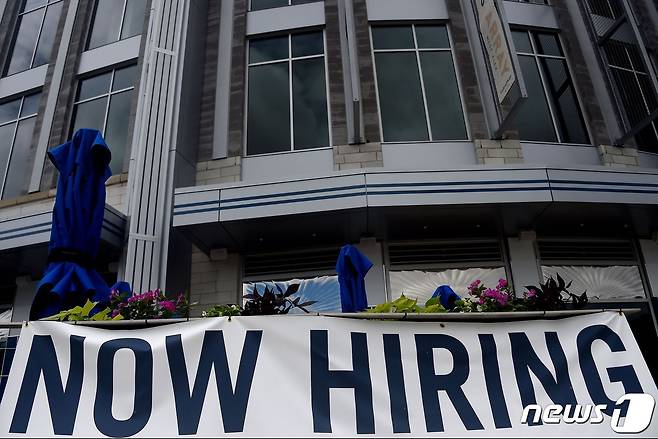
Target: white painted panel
{"x": 650, "y": 253}
{"x": 23, "y": 81}
{"x": 110, "y": 54}
{"x": 604, "y": 186}
{"x": 648, "y": 160}
{"x": 560, "y": 155}
{"x": 529, "y": 14}
{"x": 287, "y": 166}
{"x": 289, "y": 198}
{"x": 285, "y": 18}
{"x": 382, "y": 10}
{"x": 196, "y": 207}
{"x": 457, "y": 187}
{"x": 428, "y": 156}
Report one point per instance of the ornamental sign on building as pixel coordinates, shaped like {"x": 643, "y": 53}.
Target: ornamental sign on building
{"x": 497, "y": 48}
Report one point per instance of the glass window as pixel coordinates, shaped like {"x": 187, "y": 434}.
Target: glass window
{"x": 17, "y": 119}
{"x": 256, "y": 5}
{"x": 417, "y": 86}
{"x": 602, "y": 283}
{"x": 104, "y": 103}
{"x": 116, "y": 20}
{"x": 634, "y": 89}
{"x": 35, "y": 34}
{"x": 421, "y": 284}
{"x": 551, "y": 112}
{"x": 287, "y": 94}
{"x": 323, "y": 290}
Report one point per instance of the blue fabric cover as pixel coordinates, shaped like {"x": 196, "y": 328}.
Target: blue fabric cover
{"x": 83, "y": 165}
{"x": 352, "y": 267}
{"x": 447, "y": 297}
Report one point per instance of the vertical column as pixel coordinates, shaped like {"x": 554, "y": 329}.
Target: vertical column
{"x": 376, "y": 277}
{"x": 150, "y": 184}
{"x": 523, "y": 261}
{"x": 650, "y": 255}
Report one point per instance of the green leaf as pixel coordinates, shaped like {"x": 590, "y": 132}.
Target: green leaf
{"x": 117, "y": 317}
{"x": 433, "y": 301}
{"x": 101, "y": 315}
{"x": 381, "y": 308}
{"x": 86, "y": 309}
{"x": 436, "y": 308}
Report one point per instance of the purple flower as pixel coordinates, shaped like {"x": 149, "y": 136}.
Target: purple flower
{"x": 502, "y": 283}
{"x": 168, "y": 305}
{"x": 474, "y": 284}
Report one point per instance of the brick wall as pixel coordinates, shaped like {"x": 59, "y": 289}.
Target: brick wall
{"x": 218, "y": 171}
{"x": 207, "y": 114}
{"x": 366, "y": 155}
{"x": 214, "y": 280}
{"x": 499, "y": 152}
{"x": 335, "y": 74}
{"x": 465, "y": 67}
{"x": 366, "y": 72}
{"x": 238, "y": 60}
{"x": 618, "y": 157}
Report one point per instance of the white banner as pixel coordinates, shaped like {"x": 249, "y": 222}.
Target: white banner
{"x": 498, "y": 51}
{"x": 299, "y": 376}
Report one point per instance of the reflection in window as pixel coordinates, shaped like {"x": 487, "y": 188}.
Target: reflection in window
{"x": 287, "y": 94}
{"x": 35, "y": 34}
{"x": 325, "y": 290}
{"x": 421, "y": 284}
{"x": 612, "y": 282}
{"x": 551, "y": 112}
{"x": 418, "y": 92}
{"x": 116, "y": 20}
{"x": 104, "y": 103}
{"x": 17, "y": 119}
{"x": 256, "y": 5}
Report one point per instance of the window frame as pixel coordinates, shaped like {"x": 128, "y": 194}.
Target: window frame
{"x": 275, "y": 7}
{"x": 610, "y": 65}
{"x": 636, "y": 262}
{"x": 551, "y": 104}
{"x": 503, "y": 263}
{"x": 289, "y": 60}
{"x": 118, "y": 37}
{"x": 17, "y": 122}
{"x": 108, "y": 95}
{"x": 416, "y": 50}
{"x": 14, "y": 38}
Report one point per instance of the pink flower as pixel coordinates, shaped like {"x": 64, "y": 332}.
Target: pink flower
{"x": 502, "y": 283}
{"x": 169, "y": 305}
{"x": 531, "y": 293}
{"x": 474, "y": 284}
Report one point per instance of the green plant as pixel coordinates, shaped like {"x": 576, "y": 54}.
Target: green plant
{"x": 404, "y": 304}
{"x": 273, "y": 302}
{"x": 80, "y": 313}
{"x": 553, "y": 294}
{"x": 222, "y": 311}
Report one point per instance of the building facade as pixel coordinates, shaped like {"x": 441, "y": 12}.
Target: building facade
{"x": 252, "y": 139}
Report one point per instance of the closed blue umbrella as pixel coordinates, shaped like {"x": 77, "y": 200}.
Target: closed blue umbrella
{"x": 447, "y": 297}
{"x": 352, "y": 267}
{"x": 70, "y": 278}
